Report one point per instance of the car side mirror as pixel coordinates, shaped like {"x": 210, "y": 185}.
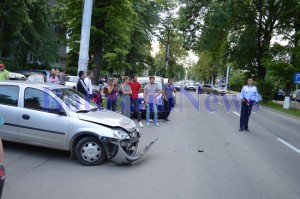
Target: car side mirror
{"x": 1, "y": 120}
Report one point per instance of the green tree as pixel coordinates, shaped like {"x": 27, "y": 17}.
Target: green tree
{"x": 111, "y": 28}
{"x": 245, "y": 28}
{"x": 139, "y": 55}
{"x": 25, "y": 28}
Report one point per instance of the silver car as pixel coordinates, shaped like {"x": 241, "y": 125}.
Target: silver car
{"x": 55, "y": 116}
{"x": 207, "y": 88}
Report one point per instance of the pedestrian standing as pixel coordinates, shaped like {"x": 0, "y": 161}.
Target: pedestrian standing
{"x": 62, "y": 77}
{"x": 249, "y": 96}
{"x": 81, "y": 87}
{"x": 88, "y": 83}
{"x": 199, "y": 89}
{"x": 112, "y": 97}
{"x": 126, "y": 92}
{"x": 151, "y": 91}
{"x": 4, "y": 74}
{"x": 168, "y": 96}
{"x": 135, "y": 88}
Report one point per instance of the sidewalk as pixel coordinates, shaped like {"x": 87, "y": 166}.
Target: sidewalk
{"x": 292, "y": 104}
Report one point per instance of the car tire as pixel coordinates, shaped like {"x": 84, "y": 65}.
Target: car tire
{"x": 90, "y": 151}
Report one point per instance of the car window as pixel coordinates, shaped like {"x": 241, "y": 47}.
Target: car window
{"x": 40, "y": 100}
{"x": 74, "y": 100}
{"x": 9, "y": 95}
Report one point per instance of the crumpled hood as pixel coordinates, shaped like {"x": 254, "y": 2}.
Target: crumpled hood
{"x": 108, "y": 118}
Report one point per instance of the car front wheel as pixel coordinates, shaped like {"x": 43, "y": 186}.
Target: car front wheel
{"x": 90, "y": 151}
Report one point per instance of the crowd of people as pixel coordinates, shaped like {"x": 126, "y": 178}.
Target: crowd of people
{"x": 128, "y": 92}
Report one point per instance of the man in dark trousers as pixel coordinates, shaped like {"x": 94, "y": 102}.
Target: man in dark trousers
{"x": 249, "y": 96}
{"x": 167, "y": 93}
{"x": 136, "y": 88}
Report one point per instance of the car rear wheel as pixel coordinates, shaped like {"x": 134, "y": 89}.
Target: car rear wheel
{"x": 90, "y": 151}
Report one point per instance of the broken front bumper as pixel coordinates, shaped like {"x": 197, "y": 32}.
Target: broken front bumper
{"x": 119, "y": 154}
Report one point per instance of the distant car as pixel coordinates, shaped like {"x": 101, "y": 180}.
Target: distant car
{"x": 72, "y": 81}
{"x": 296, "y": 95}
{"x": 16, "y": 76}
{"x": 27, "y": 73}
{"x": 177, "y": 86}
{"x": 279, "y": 95}
{"x": 191, "y": 86}
{"x": 210, "y": 89}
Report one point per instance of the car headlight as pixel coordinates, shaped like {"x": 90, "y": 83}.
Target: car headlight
{"x": 120, "y": 134}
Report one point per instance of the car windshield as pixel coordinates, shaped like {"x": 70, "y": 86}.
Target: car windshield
{"x": 145, "y": 81}
{"x": 75, "y": 100}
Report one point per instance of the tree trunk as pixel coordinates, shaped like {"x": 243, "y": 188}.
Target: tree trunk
{"x": 98, "y": 55}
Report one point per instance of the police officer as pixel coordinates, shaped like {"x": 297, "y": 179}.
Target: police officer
{"x": 249, "y": 96}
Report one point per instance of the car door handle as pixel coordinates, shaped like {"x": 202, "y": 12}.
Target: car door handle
{"x": 26, "y": 117}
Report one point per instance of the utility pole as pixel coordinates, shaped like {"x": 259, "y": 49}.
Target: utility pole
{"x": 227, "y": 76}
{"x": 168, "y": 49}
{"x": 85, "y": 36}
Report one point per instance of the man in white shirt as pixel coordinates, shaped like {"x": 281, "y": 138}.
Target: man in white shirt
{"x": 88, "y": 83}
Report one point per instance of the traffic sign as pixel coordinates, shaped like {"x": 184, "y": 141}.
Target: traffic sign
{"x": 296, "y": 78}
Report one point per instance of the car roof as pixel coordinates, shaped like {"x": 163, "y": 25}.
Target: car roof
{"x": 49, "y": 86}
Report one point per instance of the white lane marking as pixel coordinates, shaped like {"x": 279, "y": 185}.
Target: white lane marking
{"x": 220, "y": 103}
{"x": 288, "y": 144}
{"x": 236, "y": 113}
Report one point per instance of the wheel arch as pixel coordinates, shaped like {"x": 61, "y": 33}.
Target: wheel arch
{"x": 75, "y": 139}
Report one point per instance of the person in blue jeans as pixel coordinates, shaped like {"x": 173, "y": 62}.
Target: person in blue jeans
{"x": 151, "y": 91}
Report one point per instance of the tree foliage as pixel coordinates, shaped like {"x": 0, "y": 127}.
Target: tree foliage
{"x": 25, "y": 28}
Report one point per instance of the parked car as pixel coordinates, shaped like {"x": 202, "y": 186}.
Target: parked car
{"x": 296, "y": 95}
{"x": 279, "y": 95}
{"x": 190, "y": 86}
{"x": 177, "y": 86}
{"x": 72, "y": 81}
{"x": 207, "y": 88}
{"x": 16, "y": 76}
{"x": 56, "y": 116}
{"x": 27, "y": 73}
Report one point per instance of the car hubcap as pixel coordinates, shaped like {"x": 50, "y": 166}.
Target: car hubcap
{"x": 91, "y": 151}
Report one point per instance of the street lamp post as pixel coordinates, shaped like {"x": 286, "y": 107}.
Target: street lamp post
{"x": 85, "y": 36}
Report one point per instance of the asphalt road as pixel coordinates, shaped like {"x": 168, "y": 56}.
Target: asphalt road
{"x": 199, "y": 154}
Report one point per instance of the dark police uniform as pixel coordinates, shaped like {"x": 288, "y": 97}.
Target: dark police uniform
{"x": 249, "y": 96}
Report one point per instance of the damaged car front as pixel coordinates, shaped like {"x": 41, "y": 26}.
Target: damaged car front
{"x": 96, "y": 135}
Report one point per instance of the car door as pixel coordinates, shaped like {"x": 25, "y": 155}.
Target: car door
{"x": 43, "y": 121}
{"x": 9, "y": 100}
